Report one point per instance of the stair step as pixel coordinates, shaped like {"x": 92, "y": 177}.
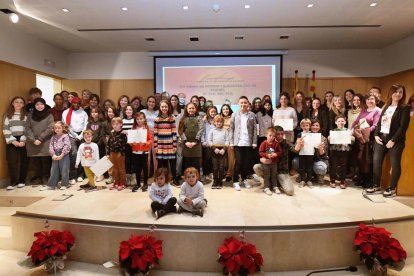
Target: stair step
{"x": 6, "y": 213}
{"x": 6, "y": 240}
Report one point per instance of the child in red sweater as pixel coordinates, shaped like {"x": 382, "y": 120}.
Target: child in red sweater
{"x": 270, "y": 150}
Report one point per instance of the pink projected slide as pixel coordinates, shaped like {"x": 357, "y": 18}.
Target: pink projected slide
{"x": 220, "y": 83}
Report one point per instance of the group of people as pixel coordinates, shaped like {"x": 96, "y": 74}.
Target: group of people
{"x": 197, "y": 141}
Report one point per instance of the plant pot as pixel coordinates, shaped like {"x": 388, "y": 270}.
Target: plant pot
{"x": 54, "y": 264}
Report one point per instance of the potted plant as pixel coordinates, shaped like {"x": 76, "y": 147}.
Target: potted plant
{"x": 378, "y": 250}
{"x": 239, "y": 258}
{"x": 139, "y": 254}
{"x": 50, "y": 248}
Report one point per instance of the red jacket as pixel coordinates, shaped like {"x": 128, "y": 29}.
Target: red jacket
{"x": 266, "y": 148}
{"x": 147, "y": 146}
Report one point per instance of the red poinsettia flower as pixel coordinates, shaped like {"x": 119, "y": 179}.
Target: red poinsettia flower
{"x": 236, "y": 256}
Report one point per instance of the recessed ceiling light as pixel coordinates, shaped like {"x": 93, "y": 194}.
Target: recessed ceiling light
{"x": 124, "y": 8}
{"x": 239, "y": 37}
{"x": 310, "y": 5}
{"x": 373, "y": 4}
{"x": 150, "y": 39}
{"x": 194, "y": 38}
{"x": 247, "y": 6}
{"x": 185, "y": 7}
{"x": 286, "y": 36}
{"x": 65, "y": 10}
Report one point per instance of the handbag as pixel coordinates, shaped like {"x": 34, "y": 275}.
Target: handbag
{"x": 362, "y": 135}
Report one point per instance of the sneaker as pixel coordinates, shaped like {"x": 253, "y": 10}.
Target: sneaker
{"x": 110, "y": 180}
{"x": 198, "y": 212}
{"x": 342, "y": 185}
{"x": 10, "y": 187}
{"x": 121, "y": 187}
{"x": 180, "y": 210}
{"x": 144, "y": 188}
{"x": 267, "y": 191}
{"x": 373, "y": 189}
{"x": 114, "y": 186}
{"x": 79, "y": 179}
{"x": 136, "y": 187}
{"x": 214, "y": 186}
{"x": 91, "y": 188}
{"x": 72, "y": 182}
{"x": 159, "y": 213}
{"x": 21, "y": 185}
{"x": 389, "y": 192}
{"x": 46, "y": 188}
{"x": 228, "y": 178}
{"x": 246, "y": 184}
{"x": 309, "y": 184}
{"x": 236, "y": 186}
{"x": 333, "y": 185}
{"x": 62, "y": 188}
{"x": 301, "y": 184}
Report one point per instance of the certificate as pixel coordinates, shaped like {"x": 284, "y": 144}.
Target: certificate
{"x": 102, "y": 166}
{"x": 137, "y": 135}
{"x": 340, "y": 137}
{"x": 363, "y": 124}
{"x": 287, "y": 124}
{"x": 311, "y": 141}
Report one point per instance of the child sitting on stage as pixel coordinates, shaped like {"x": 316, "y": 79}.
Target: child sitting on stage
{"x": 270, "y": 150}
{"x": 161, "y": 194}
{"x": 115, "y": 149}
{"x": 191, "y": 197}
{"x": 88, "y": 154}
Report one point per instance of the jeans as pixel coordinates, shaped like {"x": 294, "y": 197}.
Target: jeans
{"x": 306, "y": 167}
{"x": 59, "y": 169}
{"x": 270, "y": 175}
{"x": 395, "y": 154}
{"x": 283, "y": 179}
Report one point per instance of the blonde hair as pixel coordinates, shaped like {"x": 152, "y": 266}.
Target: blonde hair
{"x": 87, "y": 131}
{"x": 270, "y": 129}
{"x": 333, "y": 107}
{"x": 116, "y": 120}
{"x": 305, "y": 121}
{"x": 64, "y": 126}
{"x": 191, "y": 170}
{"x": 218, "y": 118}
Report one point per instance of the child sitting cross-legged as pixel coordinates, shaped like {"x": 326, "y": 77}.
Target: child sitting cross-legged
{"x": 161, "y": 194}
{"x": 191, "y": 197}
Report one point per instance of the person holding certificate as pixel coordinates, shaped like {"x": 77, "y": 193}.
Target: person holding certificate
{"x": 285, "y": 116}
{"x": 340, "y": 140}
{"x": 390, "y": 138}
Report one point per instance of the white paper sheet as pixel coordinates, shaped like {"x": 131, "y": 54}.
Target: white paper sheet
{"x": 312, "y": 141}
{"x": 102, "y": 166}
{"x": 137, "y": 135}
{"x": 340, "y": 137}
{"x": 363, "y": 124}
{"x": 287, "y": 124}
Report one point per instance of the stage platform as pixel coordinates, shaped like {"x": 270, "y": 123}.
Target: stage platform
{"x": 312, "y": 229}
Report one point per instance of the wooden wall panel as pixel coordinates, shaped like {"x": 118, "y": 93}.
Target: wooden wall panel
{"x": 79, "y": 85}
{"x": 112, "y": 89}
{"x": 14, "y": 81}
{"x": 406, "y": 78}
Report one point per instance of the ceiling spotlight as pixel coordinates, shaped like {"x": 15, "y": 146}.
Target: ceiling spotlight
{"x": 185, "y": 7}
{"x": 124, "y": 8}
{"x": 373, "y": 4}
{"x": 216, "y": 7}
{"x": 65, "y": 10}
{"x": 286, "y": 36}
{"x": 247, "y": 6}
{"x": 13, "y": 17}
{"x": 310, "y": 5}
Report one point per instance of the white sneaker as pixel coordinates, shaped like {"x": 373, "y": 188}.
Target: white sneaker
{"x": 301, "y": 184}
{"x": 80, "y": 179}
{"x": 72, "y": 182}
{"x": 63, "y": 188}
{"x": 309, "y": 184}
{"x": 10, "y": 187}
{"x": 21, "y": 185}
{"x": 46, "y": 188}
{"x": 267, "y": 191}
{"x": 246, "y": 184}
{"x": 236, "y": 186}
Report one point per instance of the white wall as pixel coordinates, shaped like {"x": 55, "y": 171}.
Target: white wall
{"x": 139, "y": 65}
{"x": 398, "y": 56}
{"x": 125, "y": 65}
{"x": 21, "y": 48}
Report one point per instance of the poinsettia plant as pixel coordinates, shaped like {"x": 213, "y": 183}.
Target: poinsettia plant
{"x": 239, "y": 257}
{"x": 139, "y": 254}
{"x": 376, "y": 248}
{"x": 50, "y": 244}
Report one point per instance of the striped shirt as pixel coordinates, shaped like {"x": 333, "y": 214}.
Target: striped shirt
{"x": 127, "y": 123}
{"x": 165, "y": 138}
{"x": 13, "y": 128}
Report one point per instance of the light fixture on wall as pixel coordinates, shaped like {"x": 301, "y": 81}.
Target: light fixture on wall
{"x": 13, "y": 17}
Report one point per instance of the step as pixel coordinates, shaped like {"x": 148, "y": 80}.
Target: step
{"x": 6, "y": 213}
{"x": 6, "y": 240}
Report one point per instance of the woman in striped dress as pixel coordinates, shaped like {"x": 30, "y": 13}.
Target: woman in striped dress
{"x": 165, "y": 139}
